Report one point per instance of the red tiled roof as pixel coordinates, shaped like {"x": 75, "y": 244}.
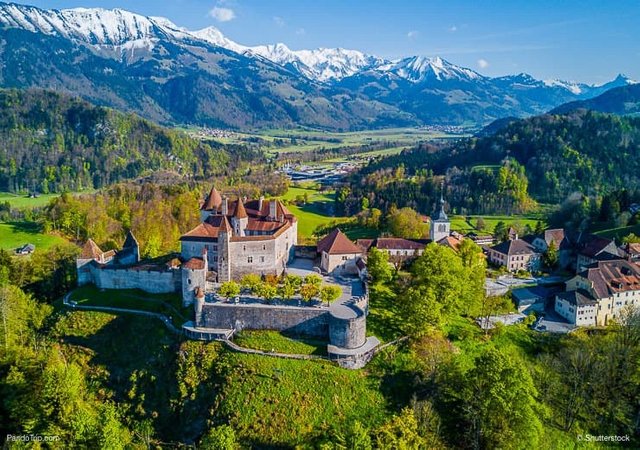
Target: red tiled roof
{"x": 194, "y": 264}
{"x": 240, "y": 212}
{"x": 204, "y": 230}
{"x": 609, "y": 277}
{"x": 451, "y": 242}
{"x": 90, "y": 250}
{"x": 337, "y": 243}
{"x": 515, "y": 247}
{"x": 213, "y": 200}
{"x": 394, "y": 243}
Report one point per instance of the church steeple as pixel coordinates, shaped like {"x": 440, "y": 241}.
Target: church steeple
{"x": 440, "y": 225}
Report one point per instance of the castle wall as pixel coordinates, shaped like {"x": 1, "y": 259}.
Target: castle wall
{"x": 297, "y": 320}
{"x": 155, "y": 282}
{"x": 338, "y": 263}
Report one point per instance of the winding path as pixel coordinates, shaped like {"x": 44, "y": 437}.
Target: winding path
{"x": 164, "y": 319}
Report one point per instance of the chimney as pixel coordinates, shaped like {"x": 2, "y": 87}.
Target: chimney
{"x": 273, "y": 210}
{"x": 260, "y": 203}
{"x": 225, "y": 206}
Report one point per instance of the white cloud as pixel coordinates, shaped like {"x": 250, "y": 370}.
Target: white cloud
{"x": 222, "y": 14}
{"x": 483, "y": 63}
{"x": 279, "y": 21}
{"x": 413, "y": 34}
{"x": 301, "y": 31}
{"x": 453, "y": 28}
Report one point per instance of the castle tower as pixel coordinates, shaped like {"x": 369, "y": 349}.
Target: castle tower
{"x": 194, "y": 278}
{"x": 440, "y": 224}
{"x": 240, "y": 219}
{"x": 130, "y": 253}
{"x": 224, "y": 240}
{"x": 211, "y": 204}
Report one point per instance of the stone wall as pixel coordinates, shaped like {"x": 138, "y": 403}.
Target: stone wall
{"x": 308, "y": 321}
{"x": 153, "y": 281}
{"x": 348, "y": 332}
{"x": 192, "y": 279}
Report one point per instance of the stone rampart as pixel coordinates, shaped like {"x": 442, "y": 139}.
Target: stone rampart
{"x": 308, "y": 321}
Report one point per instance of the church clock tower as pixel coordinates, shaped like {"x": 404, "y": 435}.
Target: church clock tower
{"x": 440, "y": 224}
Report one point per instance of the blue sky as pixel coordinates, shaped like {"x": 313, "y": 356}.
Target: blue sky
{"x": 589, "y": 41}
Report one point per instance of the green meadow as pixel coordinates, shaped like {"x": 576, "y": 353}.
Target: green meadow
{"x": 16, "y": 234}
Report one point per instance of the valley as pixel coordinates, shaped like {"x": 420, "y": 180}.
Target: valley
{"x": 429, "y": 242}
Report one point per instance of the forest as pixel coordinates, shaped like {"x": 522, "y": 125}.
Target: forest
{"x": 542, "y": 159}
{"x": 51, "y": 142}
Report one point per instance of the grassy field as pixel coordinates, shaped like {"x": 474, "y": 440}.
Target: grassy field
{"x": 23, "y": 201}
{"x": 275, "y": 341}
{"x": 619, "y": 233}
{"x": 167, "y": 304}
{"x": 462, "y": 225}
{"x": 316, "y": 212}
{"x": 16, "y": 234}
{"x": 277, "y": 403}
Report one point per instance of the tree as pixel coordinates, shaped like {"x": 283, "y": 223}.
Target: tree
{"x": 313, "y": 279}
{"x": 309, "y": 291}
{"x": 401, "y": 433}
{"x": 288, "y": 288}
{"x": 539, "y": 227}
{"x": 550, "y": 256}
{"x": 266, "y": 291}
{"x": 222, "y": 437}
{"x": 631, "y": 238}
{"x": 439, "y": 287}
{"x": 480, "y": 224}
{"x": 251, "y": 282}
{"x": 406, "y": 223}
{"x": 330, "y": 293}
{"x": 378, "y": 266}
{"x": 229, "y": 289}
{"x": 500, "y": 232}
{"x": 495, "y": 401}
{"x": 475, "y": 263}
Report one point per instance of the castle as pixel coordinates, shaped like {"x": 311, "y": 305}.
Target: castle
{"x": 241, "y": 237}
{"x": 236, "y": 238}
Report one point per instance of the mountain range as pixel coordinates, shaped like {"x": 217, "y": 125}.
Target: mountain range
{"x": 169, "y": 74}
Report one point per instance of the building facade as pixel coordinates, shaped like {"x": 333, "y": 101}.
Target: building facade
{"x": 600, "y": 293}
{"x": 241, "y": 237}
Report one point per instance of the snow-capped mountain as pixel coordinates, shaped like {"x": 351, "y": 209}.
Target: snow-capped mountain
{"x": 155, "y": 67}
{"x": 418, "y": 69}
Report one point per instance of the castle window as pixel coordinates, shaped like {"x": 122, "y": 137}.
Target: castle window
{"x": 264, "y": 247}
{"x": 244, "y": 248}
{"x": 262, "y": 259}
{"x": 250, "y": 259}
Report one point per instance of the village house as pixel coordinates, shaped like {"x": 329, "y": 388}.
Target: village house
{"x": 338, "y": 254}
{"x": 600, "y": 292}
{"x": 591, "y": 249}
{"x": 558, "y": 237}
{"x": 26, "y": 249}
{"x": 515, "y": 255}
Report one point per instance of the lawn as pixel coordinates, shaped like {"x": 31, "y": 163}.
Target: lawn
{"x": 619, "y": 233}
{"x": 167, "y": 304}
{"x": 23, "y": 201}
{"x": 276, "y": 403}
{"x": 16, "y": 234}
{"x": 274, "y": 341}
{"x": 461, "y": 224}
{"x": 316, "y": 212}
